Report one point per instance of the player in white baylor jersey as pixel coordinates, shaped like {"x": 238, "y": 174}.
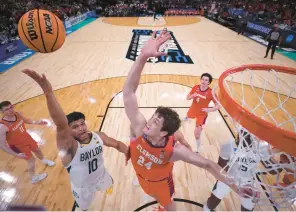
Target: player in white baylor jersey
{"x": 81, "y": 151}
{"x": 240, "y": 167}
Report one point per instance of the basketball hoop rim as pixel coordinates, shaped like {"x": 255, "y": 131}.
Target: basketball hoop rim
{"x": 280, "y": 138}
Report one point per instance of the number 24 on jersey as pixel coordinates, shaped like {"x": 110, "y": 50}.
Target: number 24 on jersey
{"x": 141, "y": 162}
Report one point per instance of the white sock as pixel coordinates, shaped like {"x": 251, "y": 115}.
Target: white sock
{"x": 205, "y": 207}
{"x": 197, "y": 144}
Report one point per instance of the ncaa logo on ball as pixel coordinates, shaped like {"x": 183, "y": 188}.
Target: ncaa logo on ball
{"x": 48, "y": 23}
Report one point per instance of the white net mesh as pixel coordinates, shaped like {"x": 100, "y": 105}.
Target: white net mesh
{"x": 270, "y": 95}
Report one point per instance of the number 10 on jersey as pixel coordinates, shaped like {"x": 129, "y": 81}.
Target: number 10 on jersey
{"x": 141, "y": 162}
{"x": 92, "y": 165}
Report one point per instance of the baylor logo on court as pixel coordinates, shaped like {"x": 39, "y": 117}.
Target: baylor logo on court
{"x": 175, "y": 52}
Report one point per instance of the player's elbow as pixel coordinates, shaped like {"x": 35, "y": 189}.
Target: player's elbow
{"x": 127, "y": 91}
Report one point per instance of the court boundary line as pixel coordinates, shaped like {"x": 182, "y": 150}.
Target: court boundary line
{"x": 109, "y": 78}
{"x": 221, "y": 114}
{"x": 175, "y": 199}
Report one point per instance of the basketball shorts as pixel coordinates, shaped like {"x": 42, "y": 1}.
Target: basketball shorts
{"x": 84, "y": 196}
{"x": 27, "y": 148}
{"x": 162, "y": 190}
{"x": 220, "y": 190}
{"x": 200, "y": 120}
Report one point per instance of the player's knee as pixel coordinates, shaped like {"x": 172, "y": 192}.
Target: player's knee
{"x": 32, "y": 160}
{"x": 37, "y": 150}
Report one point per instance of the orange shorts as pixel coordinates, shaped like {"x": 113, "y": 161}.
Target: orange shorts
{"x": 162, "y": 190}
{"x": 200, "y": 120}
{"x": 26, "y": 148}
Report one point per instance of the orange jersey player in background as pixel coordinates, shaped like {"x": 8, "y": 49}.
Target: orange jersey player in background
{"x": 154, "y": 150}
{"x": 16, "y": 141}
{"x": 201, "y": 96}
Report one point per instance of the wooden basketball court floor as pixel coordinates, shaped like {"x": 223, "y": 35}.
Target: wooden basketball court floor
{"x": 88, "y": 74}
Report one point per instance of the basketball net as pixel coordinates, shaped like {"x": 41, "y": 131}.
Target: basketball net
{"x": 267, "y": 161}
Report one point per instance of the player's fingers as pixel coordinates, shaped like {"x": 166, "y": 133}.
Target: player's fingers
{"x": 27, "y": 72}
{"x": 159, "y": 54}
{"x": 38, "y": 77}
{"x": 165, "y": 38}
{"x": 162, "y": 34}
{"x": 153, "y": 35}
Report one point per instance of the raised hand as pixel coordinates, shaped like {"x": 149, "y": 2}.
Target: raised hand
{"x": 41, "y": 80}
{"x": 151, "y": 48}
{"x": 249, "y": 193}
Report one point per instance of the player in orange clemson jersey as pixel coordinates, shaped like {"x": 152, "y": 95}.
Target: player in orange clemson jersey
{"x": 154, "y": 150}
{"x": 16, "y": 141}
{"x": 201, "y": 96}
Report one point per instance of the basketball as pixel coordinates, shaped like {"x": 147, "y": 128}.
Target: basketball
{"x": 41, "y": 31}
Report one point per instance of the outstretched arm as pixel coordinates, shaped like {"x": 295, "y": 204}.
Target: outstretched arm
{"x": 30, "y": 121}
{"x": 180, "y": 137}
{"x": 111, "y": 142}
{"x": 64, "y": 138}
{"x": 132, "y": 111}
{"x": 212, "y": 109}
{"x": 183, "y": 154}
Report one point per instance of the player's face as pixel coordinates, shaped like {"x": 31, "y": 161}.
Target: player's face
{"x": 205, "y": 81}
{"x": 79, "y": 130}
{"x": 8, "y": 110}
{"x": 154, "y": 126}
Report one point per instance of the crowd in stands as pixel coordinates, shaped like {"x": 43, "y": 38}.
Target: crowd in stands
{"x": 282, "y": 12}
{"x": 127, "y": 8}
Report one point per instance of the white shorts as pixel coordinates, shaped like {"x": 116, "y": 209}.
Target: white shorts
{"x": 221, "y": 190}
{"x": 84, "y": 196}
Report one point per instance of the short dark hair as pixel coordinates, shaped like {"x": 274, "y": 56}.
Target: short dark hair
{"x": 207, "y": 75}
{"x": 4, "y": 104}
{"x": 74, "y": 116}
{"x": 171, "y": 121}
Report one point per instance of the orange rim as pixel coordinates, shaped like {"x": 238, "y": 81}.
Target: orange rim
{"x": 280, "y": 138}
